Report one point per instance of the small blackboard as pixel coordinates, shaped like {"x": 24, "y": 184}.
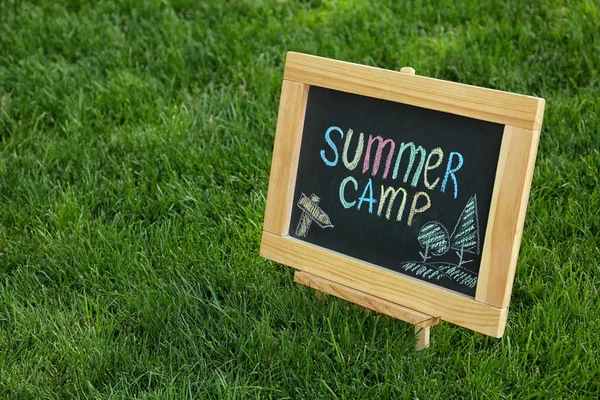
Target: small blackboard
{"x": 402, "y": 187}
{"x": 399, "y": 192}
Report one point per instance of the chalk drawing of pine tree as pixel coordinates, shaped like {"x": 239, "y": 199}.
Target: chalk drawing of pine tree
{"x": 465, "y": 237}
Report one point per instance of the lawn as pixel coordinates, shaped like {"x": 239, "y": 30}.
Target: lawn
{"x": 135, "y": 145}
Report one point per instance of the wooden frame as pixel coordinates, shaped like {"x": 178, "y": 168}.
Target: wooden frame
{"x": 522, "y": 117}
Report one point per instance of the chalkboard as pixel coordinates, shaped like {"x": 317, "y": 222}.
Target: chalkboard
{"x": 399, "y": 186}
{"x": 402, "y": 193}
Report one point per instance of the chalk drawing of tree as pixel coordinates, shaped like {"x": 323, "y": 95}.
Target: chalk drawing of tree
{"x": 465, "y": 237}
{"x": 433, "y": 237}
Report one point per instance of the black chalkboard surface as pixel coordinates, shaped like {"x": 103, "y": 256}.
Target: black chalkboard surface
{"x": 399, "y": 186}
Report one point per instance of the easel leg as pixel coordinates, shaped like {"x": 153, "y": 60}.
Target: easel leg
{"x": 423, "y": 335}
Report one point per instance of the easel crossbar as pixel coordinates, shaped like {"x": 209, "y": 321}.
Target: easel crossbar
{"x": 421, "y": 321}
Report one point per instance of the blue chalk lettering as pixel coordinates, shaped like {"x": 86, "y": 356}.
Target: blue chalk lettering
{"x": 332, "y": 145}
{"x": 450, "y": 172}
{"x": 369, "y": 199}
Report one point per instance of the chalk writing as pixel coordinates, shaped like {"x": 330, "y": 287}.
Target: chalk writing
{"x": 440, "y": 156}
{"x": 454, "y": 164}
{"x": 417, "y": 206}
{"x": 390, "y": 191}
{"x": 417, "y": 162}
{"x": 414, "y": 151}
{"x": 357, "y": 154}
{"x": 370, "y": 199}
{"x": 451, "y": 171}
{"x": 332, "y": 145}
{"x": 380, "y": 146}
{"x": 413, "y": 208}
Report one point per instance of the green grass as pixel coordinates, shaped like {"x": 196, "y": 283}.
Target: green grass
{"x": 134, "y": 156}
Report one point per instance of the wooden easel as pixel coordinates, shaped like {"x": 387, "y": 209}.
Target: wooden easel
{"x": 422, "y": 322}
{"x": 363, "y": 282}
